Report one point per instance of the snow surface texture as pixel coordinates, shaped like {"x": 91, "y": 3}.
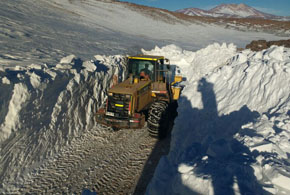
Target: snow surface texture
{"x": 232, "y": 132}
{"x": 44, "y": 108}
{"x": 44, "y": 31}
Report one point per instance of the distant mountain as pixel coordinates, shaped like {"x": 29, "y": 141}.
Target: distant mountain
{"x": 231, "y": 11}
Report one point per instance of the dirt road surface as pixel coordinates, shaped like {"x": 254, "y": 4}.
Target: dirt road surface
{"x": 102, "y": 161}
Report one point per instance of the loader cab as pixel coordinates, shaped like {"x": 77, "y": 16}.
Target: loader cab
{"x": 147, "y": 67}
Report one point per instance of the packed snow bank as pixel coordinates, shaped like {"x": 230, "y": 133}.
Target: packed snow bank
{"x": 196, "y": 64}
{"x": 231, "y": 134}
{"x": 45, "y": 108}
{"x": 233, "y": 127}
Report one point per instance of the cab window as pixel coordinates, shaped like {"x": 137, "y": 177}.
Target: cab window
{"x": 137, "y": 67}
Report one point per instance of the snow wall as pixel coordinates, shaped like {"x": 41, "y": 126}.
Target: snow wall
{"x": 232, "y": 132}
{"x": 44, "y": 108}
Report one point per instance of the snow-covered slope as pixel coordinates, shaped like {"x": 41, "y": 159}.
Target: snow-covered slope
{"x": 240, "y": 10}
{"x": 44, "y": 31}
{"x": 231, "y": 11}
{"x": 233, "y": 126}
{"x": 199, "y": 12}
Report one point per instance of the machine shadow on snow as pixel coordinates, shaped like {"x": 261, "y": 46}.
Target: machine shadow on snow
{"x": 228, "y": 159}
{"x": 214, "y": 152}
{"x": 161, "y": 148}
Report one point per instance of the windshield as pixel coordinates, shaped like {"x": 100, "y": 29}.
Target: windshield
{"x": 142, "y": 67}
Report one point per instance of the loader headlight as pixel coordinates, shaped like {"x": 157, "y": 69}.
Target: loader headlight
{"x": 128, "y": 96}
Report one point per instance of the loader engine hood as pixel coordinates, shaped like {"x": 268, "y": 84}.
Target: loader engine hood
{"x": 129, "y": 87}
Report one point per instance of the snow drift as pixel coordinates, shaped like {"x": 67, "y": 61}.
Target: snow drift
{"x": 44, "y": 108}
{"x": 233, "y": 126}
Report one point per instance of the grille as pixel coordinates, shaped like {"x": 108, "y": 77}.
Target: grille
{"x": 119, "y": 105}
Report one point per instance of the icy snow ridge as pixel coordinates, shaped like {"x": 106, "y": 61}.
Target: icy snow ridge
{"x": 45, "y": 108}
{"x": 232, "y": 131}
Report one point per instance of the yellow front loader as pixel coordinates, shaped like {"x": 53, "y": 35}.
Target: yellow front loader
{"x": 146, "y": 95}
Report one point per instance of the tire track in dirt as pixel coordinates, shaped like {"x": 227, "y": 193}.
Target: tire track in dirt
{"x": 101, "y": 160}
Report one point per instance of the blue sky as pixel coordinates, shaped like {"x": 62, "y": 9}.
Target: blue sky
{"x": 277, "y": 7}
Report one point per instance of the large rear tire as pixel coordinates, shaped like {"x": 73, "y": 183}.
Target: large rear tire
{"x": 158, "y": 119}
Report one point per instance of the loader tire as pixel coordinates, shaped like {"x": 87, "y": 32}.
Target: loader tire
{"x": 158, "y": 119}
